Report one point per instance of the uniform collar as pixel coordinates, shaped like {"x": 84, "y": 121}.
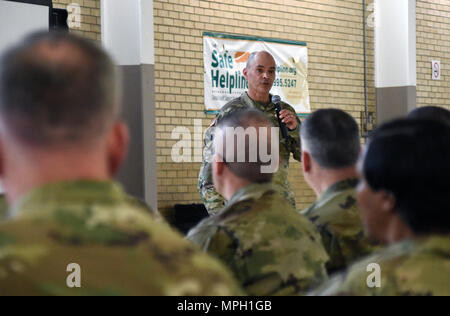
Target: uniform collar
{"x": 88, "y": 191}
{"x": 332, "y": 190}
{"x": 338, "y": 187}
{"x": 437, "y": 244}
{"x": 256, "y": 104}
{"x": 254, "y": 190}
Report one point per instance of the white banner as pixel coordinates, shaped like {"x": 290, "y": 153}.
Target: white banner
{"x": 225, "y": 56}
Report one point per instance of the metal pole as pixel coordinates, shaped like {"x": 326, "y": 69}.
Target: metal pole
{"x": 366, "y": 123}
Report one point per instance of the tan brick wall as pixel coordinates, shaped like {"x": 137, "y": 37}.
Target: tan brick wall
{"x": 333, "y": 32}
{"x": 90, "y": 17}
{"x": 433, "y": 43}
{"x": 334, "y": 35}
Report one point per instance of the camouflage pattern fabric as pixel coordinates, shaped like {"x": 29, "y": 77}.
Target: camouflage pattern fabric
{"x": 3, "y": 206}
{"x": 412, "y": 267}
{"x": 120, "y": 247}
{"x": 271, "y": 249}
{"x": 214, "y": 200}
{"x": 337, "y": 217}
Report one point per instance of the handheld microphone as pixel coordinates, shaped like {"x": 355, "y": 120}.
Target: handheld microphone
{"x": 276, "y": 100}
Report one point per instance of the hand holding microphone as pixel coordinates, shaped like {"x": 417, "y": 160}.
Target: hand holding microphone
{"x": 283, "y": 115}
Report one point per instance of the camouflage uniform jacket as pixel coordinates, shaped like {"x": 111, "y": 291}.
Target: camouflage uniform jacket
{"x": 120, "y": 248}
{"x": 3, "y": 206}
{"x": 271, "y": 249}
{"x": 337, "y": 217}
{"x": 411, "y": 267}
{"x": 210, "y": 197}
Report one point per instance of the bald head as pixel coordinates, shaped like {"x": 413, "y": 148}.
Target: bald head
{"x": 253, "y": 56}
{"x": 56, "y": 88}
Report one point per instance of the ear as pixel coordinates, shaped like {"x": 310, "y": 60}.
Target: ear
{"x": 387, "y": 202}
{"x": 306, "y": 161}
{"x": 218, "y": 165}
{"x": 244, "y": 72}
{"x": 118, "y": 140}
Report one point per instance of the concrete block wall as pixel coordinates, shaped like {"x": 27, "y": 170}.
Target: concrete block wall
{"x": 333, "y": 31}
{"x": 90, "y": 17}
{"x": 433, "y": 43}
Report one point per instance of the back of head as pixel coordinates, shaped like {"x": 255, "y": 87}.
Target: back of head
{"x": 56, "y": 88}
{"x": 244, "y": 135}
{"x": 331, "y": 137}
{"x": 430, "y": 112}
{"x": 410, "y": 159}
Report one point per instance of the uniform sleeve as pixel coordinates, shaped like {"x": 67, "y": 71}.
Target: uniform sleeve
{"x": 212, "y": 199}
{"x": 293, "y": 143}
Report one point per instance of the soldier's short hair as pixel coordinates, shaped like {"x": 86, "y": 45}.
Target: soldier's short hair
{"x": 331, "y": 136}
{"x": 245, "y": 118}
{"x": 430, "y": 112}
{"x": 410, "y": 159}
{"x": 48, "y": 97}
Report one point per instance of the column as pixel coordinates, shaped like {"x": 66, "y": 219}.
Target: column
{"x": 395, "y": 58}
{"x": 127, "y": 34}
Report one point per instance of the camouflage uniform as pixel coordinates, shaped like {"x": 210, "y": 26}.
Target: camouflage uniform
{"x": 120, "y": 247}
{"x": 412, "y": 267}
{"x": 337, "y": 217}
{"x": 271, "y": 249}
{"x": 3, "y": 206}
{"x": 211, "y": 198}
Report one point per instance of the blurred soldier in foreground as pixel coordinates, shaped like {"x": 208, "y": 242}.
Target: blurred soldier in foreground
{"x": 3, "y": 206}
{"x": 403, "y": 195}
{"x": 73, "y": 231}
{"x": 330, "y": 149}
{"x": 260, "y": 74}
{"x": 272, "y": 249}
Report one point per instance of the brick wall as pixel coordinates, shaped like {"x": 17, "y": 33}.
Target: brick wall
{"x": 433, "y": 43}
{"x": 334, "y": 35}
{"x": 333, "y": 32}
{"x": 90, "y": 17}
